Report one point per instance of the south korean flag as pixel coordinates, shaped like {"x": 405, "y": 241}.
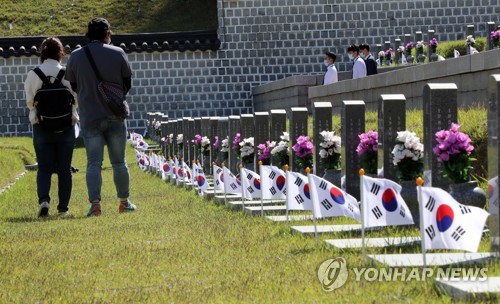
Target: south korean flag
{"x": 138, "y": 155}
{"x": 188, "y": 173}
{"x": 383, "y": 203}
{"x": 201, "y": 180}
{"x": 175, "y": 163}
{"x": 448, "y": 224}
{"x": 250, "y": 183}
{"x": 298, "y": 196}
{"x": 144, "y": 162}
{"x": 166, "y": 166}
{"x": 218, "y": 178}
{"x": 330, "y": 201}
{"x": 273, "y": 182}
{"x": 232, "y": 185}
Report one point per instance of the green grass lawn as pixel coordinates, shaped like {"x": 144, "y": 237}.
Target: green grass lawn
{"x": 176, "y": 248}
{"x": 50, "y": 17}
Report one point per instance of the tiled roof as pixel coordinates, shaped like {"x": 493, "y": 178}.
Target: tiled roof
{"x": 155, "y": 42}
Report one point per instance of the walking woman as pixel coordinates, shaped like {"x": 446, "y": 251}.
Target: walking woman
{"x": 53, "y": 115}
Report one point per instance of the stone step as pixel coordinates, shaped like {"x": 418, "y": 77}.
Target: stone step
{"x": 467, "y": 290}
{"x": 238, "y": 205}
{"x": 257, "y": 210}
{"x": 432, "y": 259}
{"x": 372, "y": 242}
{"x": 219, "y": 199}
{"x": 325, "y": 228}
{"x": 291, "y": 218}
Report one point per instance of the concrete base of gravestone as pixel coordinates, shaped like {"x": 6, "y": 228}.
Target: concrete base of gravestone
{"x": 167, "y": 179}
{"x": 372, "y": 242}
{"x": 470, "y": 290}
{"x": 210, "y": 193}
{"x": 325, "y": 228}
{"x": 219, "y": 199}
{"x": 188, "y": 185}
{"x": 257, "y": 210}
{"x": 173, "y": 180}
{"x": 433, "y": 259}
{"x": 239, "y": 204}
{"x": 291, "y": 218}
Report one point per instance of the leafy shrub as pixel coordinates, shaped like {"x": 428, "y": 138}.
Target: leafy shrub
{"x": 445, "y": 49}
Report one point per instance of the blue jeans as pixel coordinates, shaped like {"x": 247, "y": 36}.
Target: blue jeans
{"x": 54, "y": 152}
{"x": 113, "y": 133}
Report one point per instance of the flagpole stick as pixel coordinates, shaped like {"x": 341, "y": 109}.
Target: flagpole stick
{"x": 242, "y": 188}
{"x": 362, "y": 200}
{"x": 215, "y": 178}
{"x": 225, "y": 189}
{"x": 286, "y": 198}
{"x": 261, "y": 200}
{"x": 308, "y": 170}
{"x": 420, "y": 182}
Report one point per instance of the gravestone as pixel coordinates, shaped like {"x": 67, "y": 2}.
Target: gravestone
{"x": 192, "y": 152}
{"x": 214, "y": 121}
{"x": 322, "y": 121}
{"x": 490, "y": 27}
{"x": 180, "y": 148}
{"x": 223, "y": 130}
{"x": 169, "y": 130}
{"x": 248, "y": 130}
{"x": 187, "y": 137}
{"x": 261, "y": 129}
{"x": 430, "y": 36}
{"x": 277, "y": 120}
{"x": 298, "y": 127}
{"x": 419, "y": 37}
{"x": 164, "y": 134}
{"x": 234, "y": 128}
{"x": 493, "y": 161}
{"x": 387, "y": 46}
{"x": 397, "y": 55}
{"x": 353, "y": 124}
{"x": 196, "y": 130}
{"x": 440, "y": 110}
{"x": 409, "y": 57}
{"x": 469, "y": 32}
{"x": 205, "y": 126}
{"x": 391, "y": 119}
{"x": 149, "y": 118}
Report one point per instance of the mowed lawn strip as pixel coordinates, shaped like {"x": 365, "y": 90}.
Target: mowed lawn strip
{"x": 177, "y": 247}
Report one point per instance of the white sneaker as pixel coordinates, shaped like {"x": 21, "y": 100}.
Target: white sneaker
{"x": 44, "y": 209}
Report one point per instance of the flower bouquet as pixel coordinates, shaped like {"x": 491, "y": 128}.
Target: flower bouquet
{"x": 280, "y": 151}
{"x": 157, "y": 127}
{"x": 453, "y": 150}
{"x": 205, "y": 146}
{"x": 367, "y": 151}
{"x": 495, "y": 38}
{"x": 381, "y": 55}
{"x": 264, "y": 152}
{"x": 388, "y": 56}
{"x": 224, "y": 148}
{"x": 247, "y": 150}
{"x": 408, "y": 48}
{"x": 180, "y": 141}
{"x": 304, "y": 151}
{"x": 433, "y": 43}
{"x": 408, "y": 154}
{"x": 330, "y": 150}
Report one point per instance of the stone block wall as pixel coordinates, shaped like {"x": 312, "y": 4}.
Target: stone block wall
{"x": 262, "y": 41}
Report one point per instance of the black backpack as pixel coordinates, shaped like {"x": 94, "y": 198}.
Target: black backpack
{"x": 54, "y": 103}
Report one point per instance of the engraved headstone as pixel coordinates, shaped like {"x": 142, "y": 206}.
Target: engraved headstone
{"x": 261, "y": 129}
{"x": 391, "y": 119}
{"x": 397, "y": 55}
{"x": 419, "y": 52}
{"x": 490, "y": 27}
{"x": 196, "y": 130}
{"x": 322, "y": 121}
{"x": 470, "y": 32}
{"x": 192, "y": 152}
{"x": 223, "y": 130}
{"x": 187, "y": 137}
{"x": 214, "y": 121}
{"x": 277, "y": 121}
{"x": 493, "y": 161}
{"x": 430, "y": 36}
{"x": 440, "y": 110}
{"x": 234, "y": 128}
{"x": 353, "y": 124}
{"x": 247, "y": 131}
{"x": 298, "y": 127}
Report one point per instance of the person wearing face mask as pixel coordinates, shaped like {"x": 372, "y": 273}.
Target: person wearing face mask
{"x": 331, "y": 75}
{"x": 358, "y": 64}
{"x": 371, "y": 64}
{"x": 99, "y": 126}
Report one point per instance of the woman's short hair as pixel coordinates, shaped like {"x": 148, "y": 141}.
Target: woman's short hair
{"x": 331, "y": 55}
{"x": 51, "y": 48}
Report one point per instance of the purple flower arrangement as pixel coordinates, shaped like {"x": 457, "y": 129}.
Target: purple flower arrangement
{"x": 409, "y": 46}
{"x": 453, "y": 150}
{"x": 388, "y": 54}
{"x": 304, "y": 151}
{"x": 495, "y": 37}
{"x": 264, "y": 152}
{"x": 367, "y": 151}
{"x": 433, "y": 43}
{"x": 197, "y": 139}
{"x": 216, "y": 142}
{"x": 236, "y": 143}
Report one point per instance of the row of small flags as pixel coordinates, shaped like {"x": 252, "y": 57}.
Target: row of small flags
{"x": 446, "y": 224}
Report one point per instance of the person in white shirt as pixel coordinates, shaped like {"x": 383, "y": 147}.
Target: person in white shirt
{"x": 358, "y": 64}
{"x": 331, "y": 75}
